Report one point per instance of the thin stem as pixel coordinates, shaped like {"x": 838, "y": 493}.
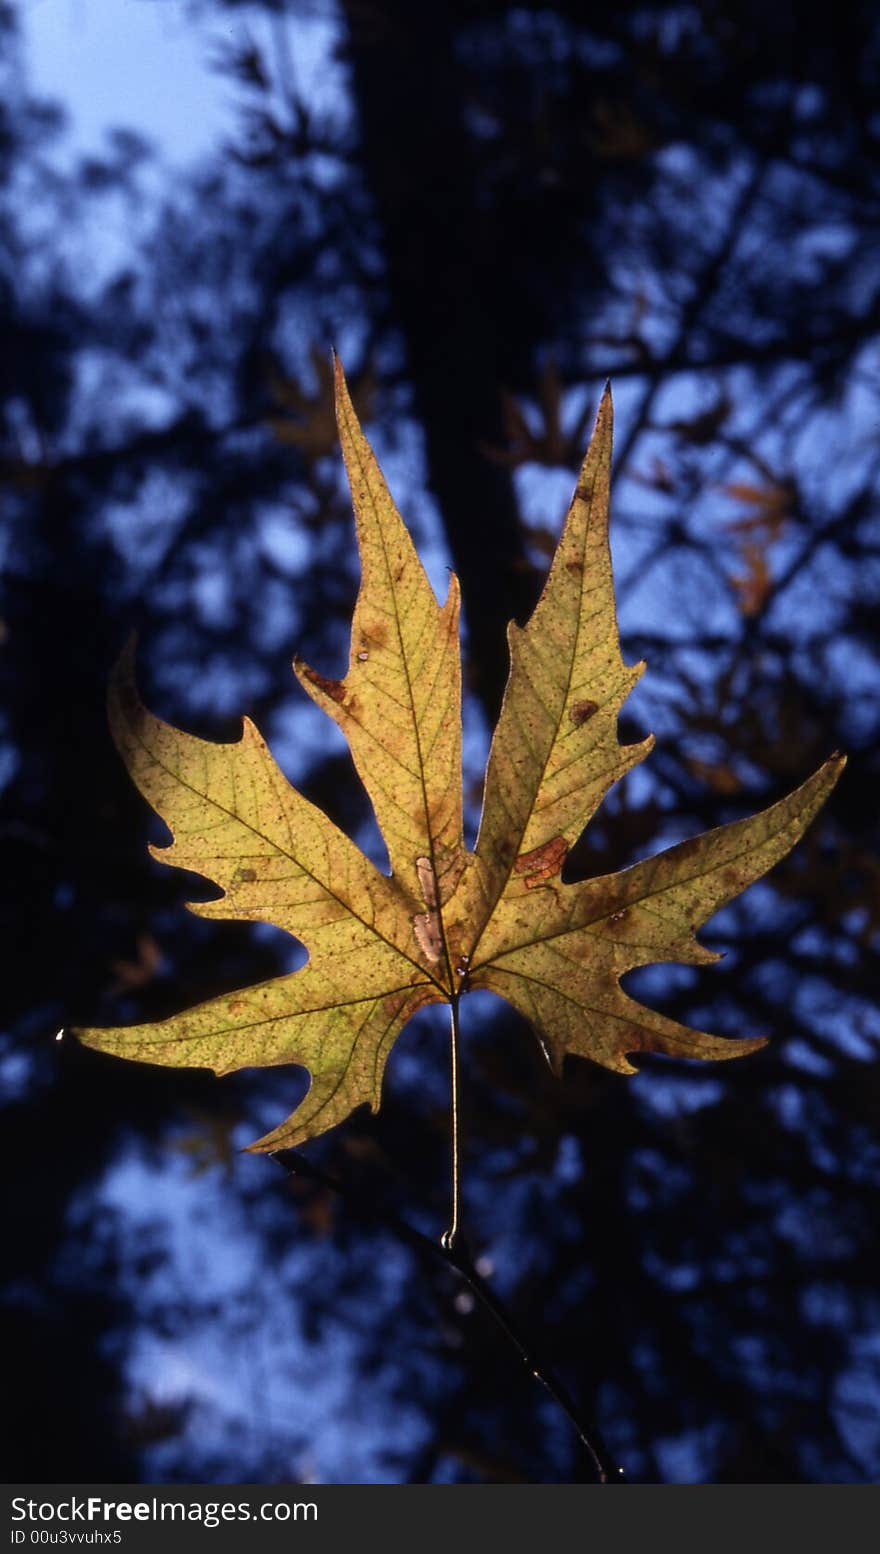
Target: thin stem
{"x": 450, "y": 1236}
{"x": 606, "y": 1469}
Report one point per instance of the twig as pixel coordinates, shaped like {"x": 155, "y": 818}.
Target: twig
{"x": 606, "y": 1469}
{"x": 450, "y": 1236}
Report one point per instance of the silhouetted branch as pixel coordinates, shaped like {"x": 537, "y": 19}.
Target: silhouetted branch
{"x": 454, "y": 1257}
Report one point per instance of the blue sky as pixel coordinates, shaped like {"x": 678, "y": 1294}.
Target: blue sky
{"x": 148, "y": 65}
{"x": 82, "y": 52}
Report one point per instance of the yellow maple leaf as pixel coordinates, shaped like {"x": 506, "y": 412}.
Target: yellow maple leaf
{"x": 446, "y": 920}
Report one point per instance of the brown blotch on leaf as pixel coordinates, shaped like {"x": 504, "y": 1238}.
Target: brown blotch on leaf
{"x": 581, "y": 711}
{"x": 246, "y": 876}
{"x": 574, "y": 567}
{"x": 429, "y": 936}
{"x": 375, "y": 636}
{"x": 332, "y": 688}
{"x": 542, "y": 863}
{"x": 427, "y": 882}
{"x": 427, "y": 924}
{"x": 236, "y": 1006}
{"x": 619, "y": 917}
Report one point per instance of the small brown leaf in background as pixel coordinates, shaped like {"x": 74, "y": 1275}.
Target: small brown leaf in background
{"x": 308, "y": 420}
{"x": 141, "y": 970}
{"x": 755, "y": 533}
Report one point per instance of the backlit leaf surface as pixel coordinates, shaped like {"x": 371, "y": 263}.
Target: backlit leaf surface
{"x": 445, "y": 920}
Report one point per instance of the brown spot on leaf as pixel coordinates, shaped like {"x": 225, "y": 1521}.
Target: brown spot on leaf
{"x": 581, "y": 711}
{"x": 619, "y": 917}
{"x": 427, "y": 924}
{"x": 427, "y": 930}
{"x": 375, "y": 636}
{"x": 332, "y": 688}
{"x": 246, "y": 876}
{"x": 427, "y": 882}
{"x": 574, "y": 567}
{"x": 236, "y": 1006}
{"x": 543, "y": 862}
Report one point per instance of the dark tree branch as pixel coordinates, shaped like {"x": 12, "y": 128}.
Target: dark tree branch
{"x": 606, "y": 1469}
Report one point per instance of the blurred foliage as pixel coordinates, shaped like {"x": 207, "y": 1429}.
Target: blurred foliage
{"x": 488, "y": 208}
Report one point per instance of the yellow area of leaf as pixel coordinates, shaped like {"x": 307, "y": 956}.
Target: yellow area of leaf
{"x": 445, "y": 920}
{"x": 559, "y": 956}
{"x": 399, "y": 705}
{"x": 555, "y": 752}
{"x": 278, "y": 859}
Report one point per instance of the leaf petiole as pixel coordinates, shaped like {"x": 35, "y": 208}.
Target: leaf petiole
{"x": 450, "y": 1236}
